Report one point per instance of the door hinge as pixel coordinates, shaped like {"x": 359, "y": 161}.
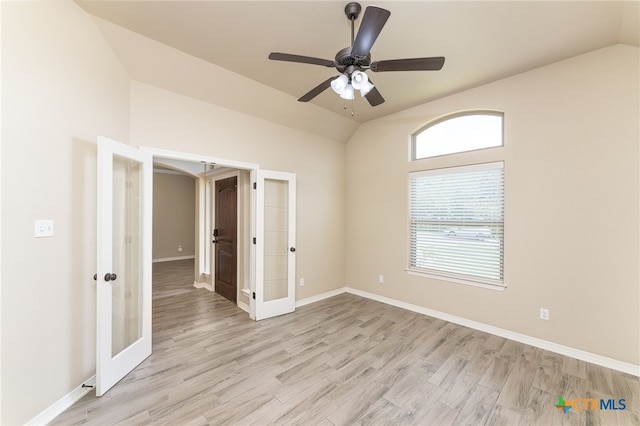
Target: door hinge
{"x": 254, "y": 295}
{"x": 254, "y": 240}
{"x": 255, "y": 185}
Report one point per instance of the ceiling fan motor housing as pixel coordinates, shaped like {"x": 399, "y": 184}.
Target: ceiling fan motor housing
{"x": 344, "y": 60}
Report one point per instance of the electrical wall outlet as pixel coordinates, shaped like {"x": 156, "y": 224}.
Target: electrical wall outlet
{"x": 301, "y": 282}
{"x": 43, "y": 228}
{"x": 544, "y": 314}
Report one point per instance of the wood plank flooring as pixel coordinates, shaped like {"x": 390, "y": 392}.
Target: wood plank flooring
{"x": 346, "y": 360}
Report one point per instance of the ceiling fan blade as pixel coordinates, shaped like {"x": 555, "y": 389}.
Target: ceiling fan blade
{"x": 276, "y": 56}
{"x": 317, "y": 90}
{"x": 415, "y": 64}
{"x": 374, "y": 97}
{"x": 372, "y": 22}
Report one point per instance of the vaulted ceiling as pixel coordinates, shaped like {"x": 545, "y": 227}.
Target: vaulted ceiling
{"x": 217, "y": 50}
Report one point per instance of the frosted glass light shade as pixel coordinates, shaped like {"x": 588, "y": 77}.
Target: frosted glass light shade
{"x": 339, "y": 84}
{"x": 359, "y": 80}
{"x": 348, "y": 92}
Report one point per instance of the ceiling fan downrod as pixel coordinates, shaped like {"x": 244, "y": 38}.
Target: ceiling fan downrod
{"x": 352, "y": 10}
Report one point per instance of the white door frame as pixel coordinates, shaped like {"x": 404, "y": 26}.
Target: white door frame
{"x": 198, "y": 158}
{"x": 232, "y": 164}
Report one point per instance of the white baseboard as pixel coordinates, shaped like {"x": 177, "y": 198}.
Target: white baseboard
{"x": 320, "y": 297}
{"x": 63, "y": 403}
{"x": 522, "y": 338}
{"x": 204, "y": 285}
{"x": 243, "y": 306}
{"x": 169, "y": 259}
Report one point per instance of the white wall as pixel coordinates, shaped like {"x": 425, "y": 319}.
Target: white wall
{"x": 61, "y": 87}
{"x": 571, "y": 211}
{"x": 163, "y": 119}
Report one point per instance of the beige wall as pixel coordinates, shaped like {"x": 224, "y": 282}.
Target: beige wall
{"x": 174, "y": 203}
{"x": 571, "y": 211}
{"x": 62, "y": 86}
{"x": 163, "y": 119}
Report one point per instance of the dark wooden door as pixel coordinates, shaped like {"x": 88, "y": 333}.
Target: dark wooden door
{"x": 225, "y": 236}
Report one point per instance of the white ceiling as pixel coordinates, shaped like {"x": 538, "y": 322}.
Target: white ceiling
{"x": 482, "y": 41}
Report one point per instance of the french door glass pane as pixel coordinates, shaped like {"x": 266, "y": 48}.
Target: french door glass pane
{"x": 276, "y": 234}
{"x": 127, "y": 245}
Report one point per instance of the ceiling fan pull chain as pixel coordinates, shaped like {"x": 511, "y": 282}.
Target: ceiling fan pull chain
{"x": 344, "y": 106}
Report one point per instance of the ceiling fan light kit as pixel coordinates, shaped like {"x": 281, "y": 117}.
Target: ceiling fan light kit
{"x": 360, "y": 81}
{"x": 352, "y": 62}
{"x": 345, "y": 85}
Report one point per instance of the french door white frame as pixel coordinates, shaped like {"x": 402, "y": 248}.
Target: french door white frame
{"x": 109, "y": 368}
{"x": 263, "y": 308}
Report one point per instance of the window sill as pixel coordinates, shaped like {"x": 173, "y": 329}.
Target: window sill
{"x": 421, "y": 273}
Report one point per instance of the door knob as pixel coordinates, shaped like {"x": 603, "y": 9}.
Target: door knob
{"x": 110, "y": 277}
{"x": 292, "y": 249}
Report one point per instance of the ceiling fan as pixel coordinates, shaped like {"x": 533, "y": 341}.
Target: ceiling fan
{"x": 352, "y": 62}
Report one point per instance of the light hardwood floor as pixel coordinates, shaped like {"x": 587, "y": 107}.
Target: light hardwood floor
{"x": 342, "y": 361}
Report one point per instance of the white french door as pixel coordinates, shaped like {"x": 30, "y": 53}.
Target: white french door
{"x": 124, "y": 261}
{"x": 275, "y": 256}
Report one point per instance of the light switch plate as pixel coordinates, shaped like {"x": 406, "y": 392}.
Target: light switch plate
{"x": 43, "y": 228}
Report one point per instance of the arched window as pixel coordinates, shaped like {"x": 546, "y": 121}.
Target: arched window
{"x": 456, "y": 214}
{"x": 459, "y": 132}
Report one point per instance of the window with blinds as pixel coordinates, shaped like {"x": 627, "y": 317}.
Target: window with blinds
{"x": 456, "y": 222}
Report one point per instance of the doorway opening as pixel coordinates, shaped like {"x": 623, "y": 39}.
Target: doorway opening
{"x": 266, "y": 251}
{"x": 221, "y": 249}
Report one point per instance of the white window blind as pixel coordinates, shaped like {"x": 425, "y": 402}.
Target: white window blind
{"x": 456, "y": 222}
